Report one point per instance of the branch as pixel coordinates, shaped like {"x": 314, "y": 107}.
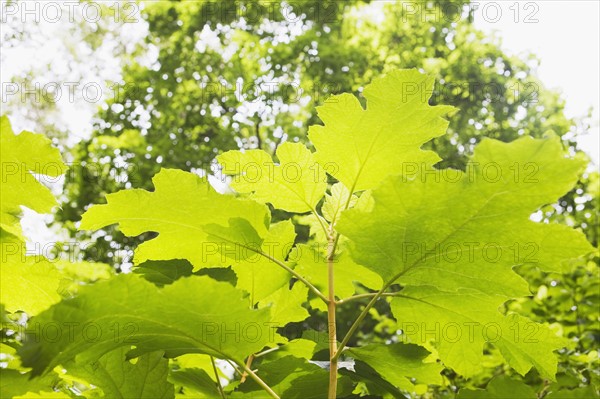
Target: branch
{"x": 257, "y": 133}
{"x": 212, "y": 360}
{"x": 260, "y": 382}
{"x": 279, "y": 263}
{"x": 361, "y": 296}
{"x": 295, "y": 274}
{"x": 332, "y": 329}
{"x": 325, "y": 229}
{"x": 357, "y": 322}
{"x": 364, "y": 313}
{"x": 248, "y": 364}
{"x": 267, "y": 351}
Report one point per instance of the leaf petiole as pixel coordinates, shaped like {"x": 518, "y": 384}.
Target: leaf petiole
{"x": 221, "y": 392}
{"x": 361, "y": 296}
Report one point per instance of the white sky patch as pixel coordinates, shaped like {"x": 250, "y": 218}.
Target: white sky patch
{"x": 565, "y": 36}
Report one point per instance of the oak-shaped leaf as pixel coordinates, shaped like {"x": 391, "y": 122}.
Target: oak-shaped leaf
{"x": 119, "y": 377}
{"x": 361, "y": 147}
{"x": 400, "y": 364}
{"x": 500, "y": 387}
{"x": 293, "y": 378}
{"x": 179, "y": 210}
{"x": 296, "y": 184}
{"x": 22, "y": 156}
{"x": 192, "y": 315}
{"x": 452, "y": 238}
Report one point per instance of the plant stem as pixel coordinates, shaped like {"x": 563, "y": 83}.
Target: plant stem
{"x": 360, "y": 318}
{"x": 332, "y": 324}
{"x": 260, "y": 382}
{"x": 365, "y": 311}
{"x": 361, "y": 296}
{"x": 266, "y": 352}
{"x": 248, "y": 365}
{"x": 320, "y": 220}
{"x": 212, "y": 360}
{"x": 279, "y": 263}
{"x": 334, "y": 351}
{"x": 295, "y": 274}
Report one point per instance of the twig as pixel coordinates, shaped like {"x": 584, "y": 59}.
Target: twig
{"x": 332, "y": 323}
{"x": 212, "y": 360}
{"x": 248, "y": 364}
{"x": 260, "y": 382}
{"x": 361, "y": 296}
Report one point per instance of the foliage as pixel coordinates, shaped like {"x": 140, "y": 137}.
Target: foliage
{"x": 224, "y": 282}
{"x": 244, "y": 74}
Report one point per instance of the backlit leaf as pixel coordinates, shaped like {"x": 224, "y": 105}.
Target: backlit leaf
{"x": 180, "y": 318}
{"x": 296, "y": 184}
{"x": 360, "y": 147}
{"x": 178, "y": 210}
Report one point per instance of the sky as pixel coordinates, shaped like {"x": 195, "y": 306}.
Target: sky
{"x": 565, "y": 36}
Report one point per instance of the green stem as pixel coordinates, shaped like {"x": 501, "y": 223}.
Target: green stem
{"x": 365, "y": 311}
{"x": 358, "y": 320}
{"x": 325, "y": 230}
{"x": 267, "y": 351}
{"x": 332, "y": 323}
{"x": 280, "y": 264}
{"x": 212, "y": 360}
{"x": 295, "y": 274}
{"x": 260, "y": 382}
{"x": 361, "y": 296}
{"x": 248, "y": 365}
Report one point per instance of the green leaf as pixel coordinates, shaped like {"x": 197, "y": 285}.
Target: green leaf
{"x": 196, "y": 383}
{"x": 587, "y": 392}
{"x": 179, "y": 209}
{"x": 45, "y": 395}
{"x": 374, "y": 383}
{"x": 335, "y": 203}
{"x": 121, "y": 379}
{"x": 501, "y": 387}
{"x": 300, "y": 347}
{"x": 39, "y": 279}
{"x": 192, "y": 315}
{"x": 28, "y": 283}
{"x": 489, "y": 216}
{"x": 286, "y": 304}
{"x": 196, "y": 361}
{"x": 360, "y": 147}
{"x": 15, "y": 383}
{"x": 22, "y": 155}
{"x": 195, "y": 373}
{"x": 21, "y": 274}
{"x": 458, "y": 235}
{"x": 258, "y": 275}
{"x": 224, "y": 274}
{"x": 461, "y": 322}
{"x": 312, "y": 265}
{"x": 164, "y": 272}
{"x": 398, "y": 363}
{"x": 296, "y": 184}
{"x": 83, "y": 271}
{"x": 293, "y": 378}
{"x": 237, "y": 241}
{"x": 315, "y": 224}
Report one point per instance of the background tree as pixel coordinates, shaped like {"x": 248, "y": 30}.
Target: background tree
{"x": 249, "y": 74}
